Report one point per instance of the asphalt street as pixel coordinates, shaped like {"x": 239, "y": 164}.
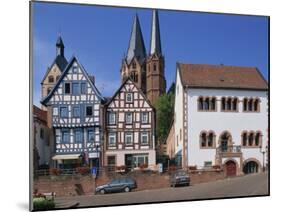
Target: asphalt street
{"x": 255, "y": 184}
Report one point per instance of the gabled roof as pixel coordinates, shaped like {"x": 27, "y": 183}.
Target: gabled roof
{"x": 60, "y": 61}
{"x": 122, "y": 85}
{"x": 221, "y": 76}
{"x": 155, "y": 40}
{"x": 72, "y": 60}
{"x": 136, "y": 44}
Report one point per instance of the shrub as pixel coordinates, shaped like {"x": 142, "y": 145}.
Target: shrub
{"x": 83, "y": 170}
{"x": 43, "y": 204}
{"x": 54, "y": 171}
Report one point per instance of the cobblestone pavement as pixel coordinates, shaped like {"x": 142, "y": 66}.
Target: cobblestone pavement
{"x": 255, "y": 184}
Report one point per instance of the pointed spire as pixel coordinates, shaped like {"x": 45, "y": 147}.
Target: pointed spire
{"x": 60, "y": 47}
{"x": 155, "y": 41}
{"x": 136, "y": 45}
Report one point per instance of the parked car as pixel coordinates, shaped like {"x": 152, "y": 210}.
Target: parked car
{"x": 125, "y": 184}
{"x": 180, "y": 177}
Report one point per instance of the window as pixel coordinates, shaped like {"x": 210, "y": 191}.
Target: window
{"x": 256, "y": 105}
{"x": 154, "y": 67}
{"x": 134, "y": 65}
{"x": 111, "y": 139}
{"x": 139, "y": 160}
{"x": 51, "y": 79}
{"x": 251, "y": 139}
{"x": 144, "y": 117}
{"x": 49, "y": 90}
{"x": 74, "y": 69}
{"x": 55, "y": 111}
{"x": 129, "y": 97}
{"x": 251, "y": 105}
{"x": 111, "y": 118}
{"x": 90, "y": 136}
{"x": 83, "y": 88}
{"x": 200, "y": 103}
{"x": 207, "y": 139}
{"x": 144, "y": 137}
{"x": 245, "y": 104}
{"x": 234, "y": 104}
{"x": 223, "y": 108}
{"x": 213, "y": 104}
{"x": 41, "y": 133}
{"x": 78, "y": 136}
{"x": 63, "y": 112}
{"x": 128, "y": 138}
{"x": 67, "y": 88}
{"x": 129, "y": 118}
{"x": 207, "y": 103}
{"x": 76, "y": 111}
{"x": 89, "y": 110}
{"x": 244, "y": 139}
{"x": 75, "y": 88}
{"x": 65, "y": 136}
{"x": 229, "y": 104}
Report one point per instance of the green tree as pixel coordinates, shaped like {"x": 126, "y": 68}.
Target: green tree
{"x": 164, "y": 115}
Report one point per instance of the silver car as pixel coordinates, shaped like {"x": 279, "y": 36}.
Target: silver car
{"x": 180, "y": 177}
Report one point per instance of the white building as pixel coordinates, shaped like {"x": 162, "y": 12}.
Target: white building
{"x": 130, "y": 128}
{"x": 221, "y": 118}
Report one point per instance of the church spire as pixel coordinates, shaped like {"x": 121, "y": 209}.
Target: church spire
{"x": 136, "y": 45}
{"x": 155, "y": 41}
{"x": 60, "y": 47}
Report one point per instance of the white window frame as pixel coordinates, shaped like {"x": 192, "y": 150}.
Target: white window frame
{"x": 143, "y": 114}
{"x": 112, "y": 136}
{"x": 127, "y": 97}
{"x": 144, "y": 134}
{"x": 110, "y": 115}
{"x": 126, "y": 114}
{"x": 55, "y": 111}
{"x": 127, "y": 135}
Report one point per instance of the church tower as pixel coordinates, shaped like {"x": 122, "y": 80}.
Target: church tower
{"x": 54, "y": 71}
{"x": 155, "y": 63}
{"x": 133, "y": 65}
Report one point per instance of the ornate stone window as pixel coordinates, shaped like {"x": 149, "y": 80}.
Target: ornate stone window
{"x": 251, "y": 139}
{"x": 207, "y": 139}
{"x": 251, "y": 105}
{"x": 206, "y": 103}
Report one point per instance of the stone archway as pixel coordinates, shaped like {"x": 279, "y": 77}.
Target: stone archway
{"x": 251, "y": 166}
{"x": 230, "y": 168}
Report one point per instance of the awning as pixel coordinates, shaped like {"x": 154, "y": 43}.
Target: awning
{"x": 66, "y": 157}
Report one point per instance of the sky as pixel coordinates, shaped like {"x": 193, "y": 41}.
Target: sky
{"x": 99, "y": 37}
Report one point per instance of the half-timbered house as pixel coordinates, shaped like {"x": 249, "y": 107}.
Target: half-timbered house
{"x": 129, "y": 128}
{"x": 74, "y": 105}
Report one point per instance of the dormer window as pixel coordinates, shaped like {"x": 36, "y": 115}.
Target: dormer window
{"x": 129, "y": 97}
{"x": 134, "y": 65}
{"x": 51, "y": 79}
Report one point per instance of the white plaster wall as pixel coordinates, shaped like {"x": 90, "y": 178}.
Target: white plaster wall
{"x": 218, "y": 121}
{"x": 178, "y": 119}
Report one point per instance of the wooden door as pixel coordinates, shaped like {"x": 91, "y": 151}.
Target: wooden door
{"x": 230, "y": 168}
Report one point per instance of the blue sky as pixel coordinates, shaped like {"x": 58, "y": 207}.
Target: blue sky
{"x": 99, "y": 37}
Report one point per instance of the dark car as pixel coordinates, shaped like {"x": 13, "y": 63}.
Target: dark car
{"x": 180, "y": 177}
{"x": 125, "y": 184}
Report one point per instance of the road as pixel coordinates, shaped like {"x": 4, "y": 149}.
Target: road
{"x": 255, "y": 184}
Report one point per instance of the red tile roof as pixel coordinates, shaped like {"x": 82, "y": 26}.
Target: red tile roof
{"x": 221, "y": 76}
{"x": 40, "y": 114}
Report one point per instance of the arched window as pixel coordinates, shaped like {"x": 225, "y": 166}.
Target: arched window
{"x": 203, "y": 139}
{"x": 134, "y": 65}
{"x": 245, "y": 104}
{"x": 57, "y": 78}
{"x": 223, "y": 103}
{"x": 250, "y": 105}
{"x": 234, "y": 104}
{"x": 244, "y": 139}
{"x": 210, "y": 139}
{"x": 49, "y": 90}
{"x": 257, "y": 139}
{"x": 213, "y": 103}
{"x": 228, "y": 104}
{"x": 200, "y": 102}
{"x": 251, "y": 139}
{"x": 256, "y": 105}
{"x": 206, "y": 104}
{"x": 51, "y": 79}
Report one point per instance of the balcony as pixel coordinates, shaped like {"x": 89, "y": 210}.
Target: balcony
{"x": 226, "y": 151}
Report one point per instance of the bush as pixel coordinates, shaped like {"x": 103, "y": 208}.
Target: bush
{"x": 83, "y": 170}
{"x": 43, "y": 204}
{"x": 54, "y": 171}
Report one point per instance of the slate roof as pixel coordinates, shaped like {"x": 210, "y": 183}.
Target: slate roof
{"x": 221, "y": 76}
{"x": 136, "y": 44}
{"x": 155, "y": 42}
